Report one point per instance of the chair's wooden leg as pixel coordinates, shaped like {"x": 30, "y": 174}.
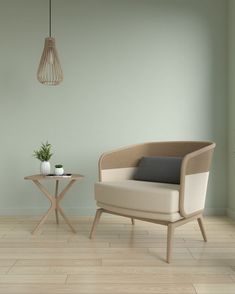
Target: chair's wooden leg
{"x": 132, "y": 221}
{"x": 200, "y": 222}
{"x": 170, "y": 236}
{"x": 95, "y": 222}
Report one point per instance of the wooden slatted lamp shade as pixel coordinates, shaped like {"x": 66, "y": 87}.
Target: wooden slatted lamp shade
{"x": 49, "y": 70}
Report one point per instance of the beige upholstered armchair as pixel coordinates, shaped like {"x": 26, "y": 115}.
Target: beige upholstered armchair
{"x": 170, "y": 204}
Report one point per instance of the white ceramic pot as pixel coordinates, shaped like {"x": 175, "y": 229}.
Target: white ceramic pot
{"x": 59, "y": 171}
{"x": 45, "y": 167}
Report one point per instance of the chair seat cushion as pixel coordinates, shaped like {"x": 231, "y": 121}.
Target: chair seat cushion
{"x": 139, "y": 195}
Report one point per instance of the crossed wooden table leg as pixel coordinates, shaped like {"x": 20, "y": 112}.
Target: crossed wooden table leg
{"x": 55, "y": 203}
{"x": 56, "y": 198}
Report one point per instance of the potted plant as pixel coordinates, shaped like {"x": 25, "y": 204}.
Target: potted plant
{"x": 44, "y": 154}
{"x": 59, "y": 171}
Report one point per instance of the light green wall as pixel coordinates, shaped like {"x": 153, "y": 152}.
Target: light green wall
{"x": 231, "y": 107}
{"x": 134, "y": 70}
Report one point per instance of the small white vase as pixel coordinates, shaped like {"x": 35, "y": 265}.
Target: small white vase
{"x": 59, "y": 171}
{"x": 45, "y": 167}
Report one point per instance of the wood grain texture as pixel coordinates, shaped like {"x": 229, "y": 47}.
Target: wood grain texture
{"x": 215, "y": 289}
{"x": 97, "y": 288}
{"x": 122, "y": 259}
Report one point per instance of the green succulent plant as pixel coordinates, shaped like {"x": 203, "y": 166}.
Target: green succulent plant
{"x": 44, "y": 153}
{"x": 58, "y": 166}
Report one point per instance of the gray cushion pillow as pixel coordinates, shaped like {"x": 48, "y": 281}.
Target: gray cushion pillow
{"x": 159, "y": 169}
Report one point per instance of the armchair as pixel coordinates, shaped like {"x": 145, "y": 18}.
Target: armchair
{"x": 168, "y": 204}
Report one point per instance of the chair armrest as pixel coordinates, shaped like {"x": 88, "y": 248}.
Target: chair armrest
{"x": 193, "y": 180}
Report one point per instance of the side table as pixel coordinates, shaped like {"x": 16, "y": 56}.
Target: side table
{"x": 56, "y": 198}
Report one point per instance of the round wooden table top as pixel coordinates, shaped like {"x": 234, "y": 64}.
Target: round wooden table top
{"x": 54, "y": 177}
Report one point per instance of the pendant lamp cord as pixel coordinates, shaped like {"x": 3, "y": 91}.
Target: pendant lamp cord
{"x": 49, "y": 18}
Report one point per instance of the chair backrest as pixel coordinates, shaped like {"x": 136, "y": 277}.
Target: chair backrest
{"x": 122, "y": 162}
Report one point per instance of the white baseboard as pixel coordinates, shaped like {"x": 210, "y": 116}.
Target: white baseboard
{"x": 90, "y": 211}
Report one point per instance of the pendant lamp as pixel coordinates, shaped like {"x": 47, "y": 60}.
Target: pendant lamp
{"x": 49, "y": 70}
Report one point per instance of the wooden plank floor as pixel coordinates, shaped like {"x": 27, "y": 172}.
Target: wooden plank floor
{"x": 122, "y": 258}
